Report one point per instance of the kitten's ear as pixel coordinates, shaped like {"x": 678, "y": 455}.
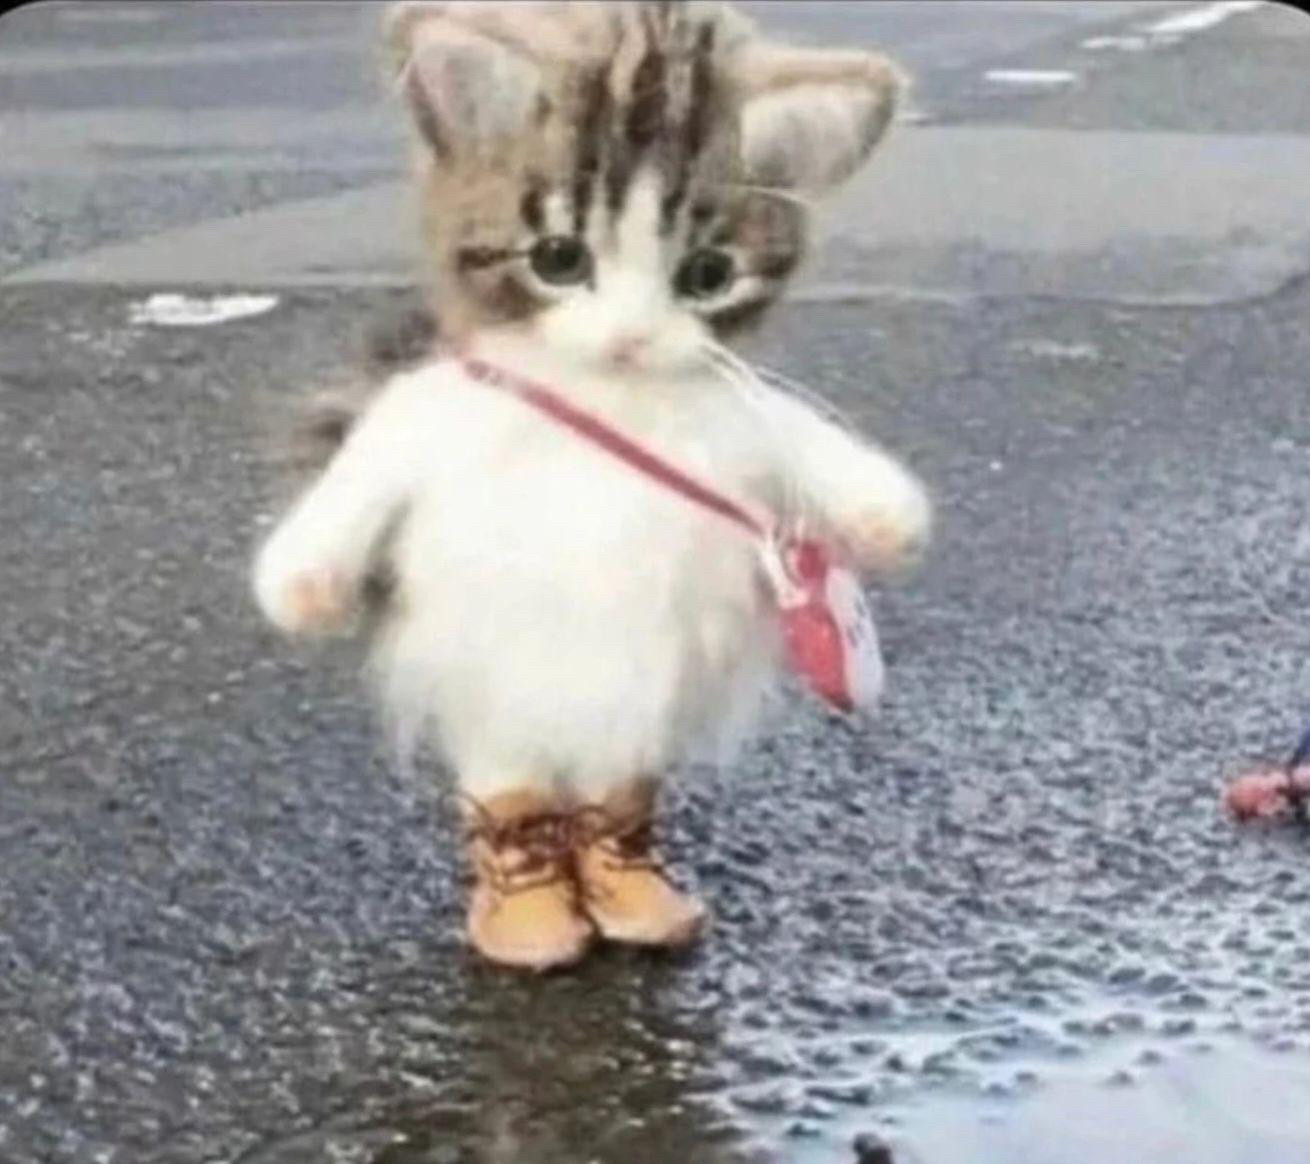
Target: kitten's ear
{"x": 463, "y": 86}
{"x": 810, "y": 117}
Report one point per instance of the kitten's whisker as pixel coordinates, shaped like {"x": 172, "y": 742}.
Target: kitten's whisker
{"x": 806, "y": 393}
{"x": 779, "y": 381}
{"x": 782, "y": 193}
{"x": 738, "y": 375}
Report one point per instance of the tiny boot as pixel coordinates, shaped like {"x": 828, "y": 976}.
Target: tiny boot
{"x": 624, "y": 890}
{"x": 524, "y": 908}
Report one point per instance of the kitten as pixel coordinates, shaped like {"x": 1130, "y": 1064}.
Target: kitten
{"x": 608, "y": 192}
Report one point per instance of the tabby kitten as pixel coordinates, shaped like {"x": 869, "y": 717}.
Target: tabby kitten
{"x": 608, "y": 192}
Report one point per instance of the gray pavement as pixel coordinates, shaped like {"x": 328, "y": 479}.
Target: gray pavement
{"x": 1003, "y": 923}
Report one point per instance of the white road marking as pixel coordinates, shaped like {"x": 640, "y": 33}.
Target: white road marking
{"x": 1127, "y": 44}
{"x": 1171, "y": 29}
{"x": 1199, "y": 19}
{"x": 1055, "y": 350}
{"x": 166, "y": 310}
{"x": 1042, "y": 77}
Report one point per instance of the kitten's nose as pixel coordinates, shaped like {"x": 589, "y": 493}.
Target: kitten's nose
{"x": 626, "y": 349}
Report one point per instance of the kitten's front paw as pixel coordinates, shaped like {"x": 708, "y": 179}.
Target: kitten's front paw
{"x": 316, "y": 601}
{"x": 891, "y": 536}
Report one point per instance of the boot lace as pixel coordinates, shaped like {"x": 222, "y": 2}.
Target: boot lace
{"x": 524, "y": 853}
{"x": 622, "y": 849}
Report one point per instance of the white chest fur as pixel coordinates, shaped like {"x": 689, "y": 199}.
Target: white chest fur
{"x": 557, "y": 598}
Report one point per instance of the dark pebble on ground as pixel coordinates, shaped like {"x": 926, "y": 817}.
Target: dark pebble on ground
{"x": 871, "y": 1149}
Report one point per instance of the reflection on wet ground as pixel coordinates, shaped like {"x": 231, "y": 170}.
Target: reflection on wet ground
{"x": 604, "y": 1061}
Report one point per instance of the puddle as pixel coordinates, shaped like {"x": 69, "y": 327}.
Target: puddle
{"x": 1084, "y": 1085}
{"x": 1238, "y": 1105}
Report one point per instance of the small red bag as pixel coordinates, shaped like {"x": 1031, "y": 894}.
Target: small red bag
{"x": 828, "y": 630}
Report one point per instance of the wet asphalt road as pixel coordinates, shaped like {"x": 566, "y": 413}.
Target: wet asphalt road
{"x": 1003, "y": 923}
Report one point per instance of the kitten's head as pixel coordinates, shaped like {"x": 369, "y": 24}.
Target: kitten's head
{"x": 622, "y": 181}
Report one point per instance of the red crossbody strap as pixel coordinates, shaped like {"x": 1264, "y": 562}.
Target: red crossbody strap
{"x": 611, "y": 440}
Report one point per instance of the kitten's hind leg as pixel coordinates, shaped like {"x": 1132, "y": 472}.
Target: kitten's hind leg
{"x": 524, "y": 910}
{"x": 624, "y": 890}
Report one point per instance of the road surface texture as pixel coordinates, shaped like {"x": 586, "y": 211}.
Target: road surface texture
{"x": 1002, "y": 923}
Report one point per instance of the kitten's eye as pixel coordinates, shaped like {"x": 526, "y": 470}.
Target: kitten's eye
{"x": 560, "y": 259}
{"x": 703, "y": 273}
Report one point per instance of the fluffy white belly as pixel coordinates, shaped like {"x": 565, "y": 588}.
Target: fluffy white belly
{"x": 561, "y": 613}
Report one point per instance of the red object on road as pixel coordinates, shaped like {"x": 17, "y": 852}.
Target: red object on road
{"x": 1267, "y": 793}
{"x": 1274, "y": 791}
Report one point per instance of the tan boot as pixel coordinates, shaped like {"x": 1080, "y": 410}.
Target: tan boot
{"x": 524, "y": 909}
{"x": 624, "y": 890}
